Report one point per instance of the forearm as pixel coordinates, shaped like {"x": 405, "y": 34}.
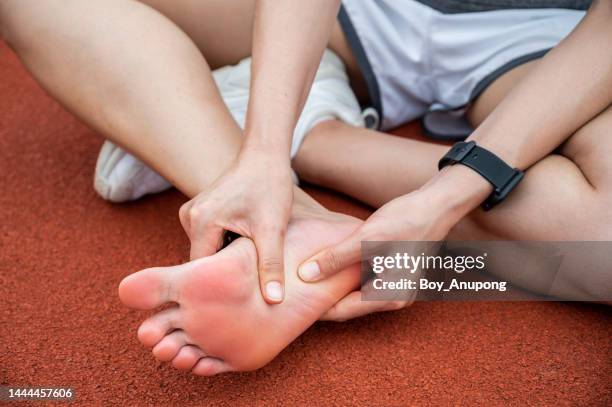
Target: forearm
{"x": 101, "y": 60}
{"x": 288, "y": 41}
{"x": 567, "y": 88}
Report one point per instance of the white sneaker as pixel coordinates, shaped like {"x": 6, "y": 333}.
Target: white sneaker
{"x": 121, "y": 177}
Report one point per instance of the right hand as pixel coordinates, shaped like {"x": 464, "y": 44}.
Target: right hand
{"x": 253, "y": 199}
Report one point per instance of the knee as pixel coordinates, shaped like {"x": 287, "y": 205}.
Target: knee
{"x": 8, "y": 25}
{"x": 8, "y": 10}
{"x": 589, "y": 148}
{"x": 21, "y": 21}
{"x": 3, "y": 23}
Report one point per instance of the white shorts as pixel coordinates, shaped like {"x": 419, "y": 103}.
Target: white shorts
{"x": 418, "y": 61}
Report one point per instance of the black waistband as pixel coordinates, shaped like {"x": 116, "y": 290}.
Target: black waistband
{"x": 362, "y": 60}
{"x": 468, "y": 6}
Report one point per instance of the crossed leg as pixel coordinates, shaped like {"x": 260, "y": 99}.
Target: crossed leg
{"x": 565, "y": 196}
{"x": 579, "y": 186}
{"x": 132, "y": 74}
{"x": 127, "y": 58}
{"x": 143, "y": 83}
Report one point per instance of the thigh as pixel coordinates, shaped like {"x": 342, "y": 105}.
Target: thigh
{"x": 573, "y": 187}
{"x": 588, "y": 148}
{"x": 221, "y": 29}
{"x": 495, "y": 93}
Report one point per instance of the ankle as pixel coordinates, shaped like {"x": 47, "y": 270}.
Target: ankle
{"x": 305, "y": 204}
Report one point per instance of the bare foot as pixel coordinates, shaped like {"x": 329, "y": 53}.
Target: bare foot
{"x": 220, "y": 322}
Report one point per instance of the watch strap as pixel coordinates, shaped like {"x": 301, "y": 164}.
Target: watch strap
{"x": 499, "y": 174}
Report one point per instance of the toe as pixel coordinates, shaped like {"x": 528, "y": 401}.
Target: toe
{"x": 210, "y": 366}
{"x": 150, "y": 288}
{"x": 170, "y": 345}
{"x": 187, "y": 357}
{"x": 152, "y": 330}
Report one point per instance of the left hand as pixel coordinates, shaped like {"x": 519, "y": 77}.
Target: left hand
{"x": 424, "y": 215}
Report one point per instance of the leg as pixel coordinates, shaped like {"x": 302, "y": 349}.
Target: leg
{"x": 573, "y": 185}
{"x": 565, "y": 196}
{"x": 222, "y": 31}
{"x": 400, "y": 166}
{"x": 212, "y": 292}
{"x": 327, "y": 156}
{"x": 122, "y": 81}
{"x": 333, "y": 156}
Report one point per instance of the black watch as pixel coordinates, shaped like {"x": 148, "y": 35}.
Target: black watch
{"x": 503, "y": 177}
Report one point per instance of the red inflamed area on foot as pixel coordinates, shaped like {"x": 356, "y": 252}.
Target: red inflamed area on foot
{"x": 63, "y": 252}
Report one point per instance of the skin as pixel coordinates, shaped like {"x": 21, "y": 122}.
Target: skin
{"x": 553, "y": 104}
{"x": 565, "y": 196}
{"x": 197, "y": 137}
{"x": 217, "y": 305}
{"x": 253, "y": 197}
{"x": 193, "y": 161}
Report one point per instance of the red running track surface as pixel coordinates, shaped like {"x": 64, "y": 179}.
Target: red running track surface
{"x": 63, "y": 251}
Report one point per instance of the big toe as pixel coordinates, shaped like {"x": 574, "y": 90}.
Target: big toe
{"x": 150, "y": 288}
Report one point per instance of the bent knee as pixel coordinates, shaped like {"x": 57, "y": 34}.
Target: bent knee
{"x": 13, "y": 20}
{"x": 23, "y": 22}
{"x": 589, "y": 149}
{"x": 4, "y": 35}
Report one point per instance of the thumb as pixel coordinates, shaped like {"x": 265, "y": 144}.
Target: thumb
{"x": 332, "y": 260}
{"x": 270, "y": 265}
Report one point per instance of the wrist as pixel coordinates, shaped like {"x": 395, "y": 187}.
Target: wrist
{"x": 267, "y": 155}
{"x": 273, "y": 139}
{"x": 456, "y": 191}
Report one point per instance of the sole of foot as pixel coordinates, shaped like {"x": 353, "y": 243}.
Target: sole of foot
{"x": 218, "y": 320}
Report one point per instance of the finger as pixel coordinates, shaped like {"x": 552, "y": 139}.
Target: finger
{"x": 332, "y": 260}
{"x": 206, "y": 240}
{"x": 352, "y": 306}
{"x": 270, "y": 264}
{"x": 184, "y": 217}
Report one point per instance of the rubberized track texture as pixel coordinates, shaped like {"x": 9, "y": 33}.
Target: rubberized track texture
{"x": 63, "y": 252}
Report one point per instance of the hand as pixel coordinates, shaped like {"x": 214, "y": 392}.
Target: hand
{"x": 424, "y": 215}
{"x": 253, "y": 199}
{"x": 409, "y": 217}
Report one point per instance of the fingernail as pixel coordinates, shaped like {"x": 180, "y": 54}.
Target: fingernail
{"x": 274, "y": 291}
{"x": 309, "y": 271}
